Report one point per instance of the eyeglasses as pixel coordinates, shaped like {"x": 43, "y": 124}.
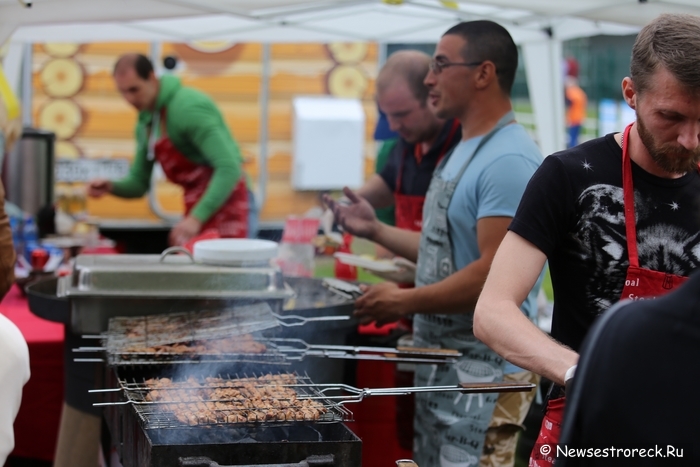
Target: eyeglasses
{"x": 437, "y": 66}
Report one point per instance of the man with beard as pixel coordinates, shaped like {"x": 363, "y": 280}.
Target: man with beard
{"x": 616, "y": 217}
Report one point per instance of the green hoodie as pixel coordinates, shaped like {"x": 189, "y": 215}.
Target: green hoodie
{"x": 198, "y": 130}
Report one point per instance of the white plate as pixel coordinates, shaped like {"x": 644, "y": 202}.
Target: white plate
{"x": 234, "y": 251}
{"x": 369, "y": 264}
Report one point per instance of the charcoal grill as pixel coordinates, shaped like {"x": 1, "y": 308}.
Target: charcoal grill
{"x": 277, "y": 351}
{"x": 275, "y": 399}
{"x": 313, "y": 461}
{"x": 242, "y": 444}
{"x": 223, "y": 336}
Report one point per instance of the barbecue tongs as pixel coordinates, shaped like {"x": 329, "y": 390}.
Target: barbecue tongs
{"x": 342, "y": 393}
{"x": 292, "y": 349}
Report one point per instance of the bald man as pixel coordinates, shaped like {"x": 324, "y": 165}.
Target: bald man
{"x": 424, "y": 139}
{"x": 184, "y": 131}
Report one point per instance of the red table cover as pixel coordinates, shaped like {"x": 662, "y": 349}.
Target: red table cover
{"x": 36, "y": 425}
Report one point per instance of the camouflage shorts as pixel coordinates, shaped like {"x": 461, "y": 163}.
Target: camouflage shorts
{"x": 507, "y": 422}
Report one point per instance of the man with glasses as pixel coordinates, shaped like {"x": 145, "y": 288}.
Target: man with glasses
{"x": 472, "y": 197}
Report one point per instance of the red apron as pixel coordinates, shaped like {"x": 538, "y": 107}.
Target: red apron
{"x": 409, "y": 208}
{"x": 231, "y": 220}
{"x": 640, "y": 284}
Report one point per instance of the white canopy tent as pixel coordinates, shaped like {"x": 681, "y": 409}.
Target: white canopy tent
{"x": 539, "y": 26}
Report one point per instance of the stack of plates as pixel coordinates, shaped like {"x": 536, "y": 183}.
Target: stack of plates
{"x": 235, "y": 252}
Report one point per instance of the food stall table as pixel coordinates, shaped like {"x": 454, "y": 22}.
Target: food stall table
{"x": 36, "y": 425}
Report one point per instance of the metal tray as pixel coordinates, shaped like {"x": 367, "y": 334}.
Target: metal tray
{"x": 102, "y": 286}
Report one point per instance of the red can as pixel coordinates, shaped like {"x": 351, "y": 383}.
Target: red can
{"x": 39, "y": 258}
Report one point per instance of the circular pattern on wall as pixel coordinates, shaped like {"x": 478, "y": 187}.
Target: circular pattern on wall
{"x": 62, "y": 116}
{"x": 347, "y": 81}
{"x": 348, "y": 52}
{"x": 61, "y": 49}
{"x": 211, "y": 46}
{"x": 208, "y": 57}
{"x": 62, "y": 77}
{"x": 67, "y": 150}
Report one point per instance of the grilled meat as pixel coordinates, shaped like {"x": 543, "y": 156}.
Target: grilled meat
{"x": 244, "y": 344}
{"x": 217, "y": 400}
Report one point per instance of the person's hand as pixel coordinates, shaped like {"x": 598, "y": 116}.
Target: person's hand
{"x": 356, "y": 218}
{"x": 383, "y": 303}
{"x": 184, "y": 231}
{"x": 99, "y": 187}
{"x": 406, "y": 273}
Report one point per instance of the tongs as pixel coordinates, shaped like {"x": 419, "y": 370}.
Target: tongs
{"x": 297, "y": 349}
{"x": 357, "y": 394}
{"x": 321, "y": 392}
{"x": 245, "y": 319}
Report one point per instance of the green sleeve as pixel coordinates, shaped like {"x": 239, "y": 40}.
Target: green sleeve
{"x": 136, "y": 184}
{"x": 206, "y": 130}
{"x": 386, "y": 215}
{"x": 383, "y": 155}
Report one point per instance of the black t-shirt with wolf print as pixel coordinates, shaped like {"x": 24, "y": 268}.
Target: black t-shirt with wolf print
{"x": 572, "y": 210}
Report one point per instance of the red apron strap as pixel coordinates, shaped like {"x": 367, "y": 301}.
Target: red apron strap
{"x": 628, "y": 199}
{"x": 399, "y": 177}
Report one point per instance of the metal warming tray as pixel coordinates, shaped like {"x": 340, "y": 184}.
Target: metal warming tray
{"x": 102, "y": 286}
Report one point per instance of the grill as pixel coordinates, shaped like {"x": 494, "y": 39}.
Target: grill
{"x": 150, "y": 434}
{"x": 155, "y": 438}
{"x": 223, "y": 400}
{"x": 272, "y": 399}
{"x": 247, "y": 349}
{"x": 171, "y": 328}
{"x": 224, "y": 336}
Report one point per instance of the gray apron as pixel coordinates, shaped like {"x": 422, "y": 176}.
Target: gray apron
{"x": 450, "y": 427}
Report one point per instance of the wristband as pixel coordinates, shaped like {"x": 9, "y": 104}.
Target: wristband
{"x": 569, "y": 374}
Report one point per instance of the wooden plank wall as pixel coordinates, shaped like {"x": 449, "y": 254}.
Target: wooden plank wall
{"x": 95, "y": 122}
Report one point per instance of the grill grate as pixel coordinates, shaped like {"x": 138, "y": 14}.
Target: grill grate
{"x": 153, "y": 330}
{"x": 197, "y": 401}
{"x": 246, "y": 349}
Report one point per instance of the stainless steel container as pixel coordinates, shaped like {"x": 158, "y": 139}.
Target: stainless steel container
{"x": 28, "y": 172}
{"x": 102, "y": 286}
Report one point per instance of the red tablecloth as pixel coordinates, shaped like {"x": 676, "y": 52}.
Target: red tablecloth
{"x": 36, "y": 426}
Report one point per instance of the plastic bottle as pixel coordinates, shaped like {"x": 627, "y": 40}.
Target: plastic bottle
{"x": 30, "y": 235}
{"x": 345, "y": 271}
{"x": 17, "y": 237}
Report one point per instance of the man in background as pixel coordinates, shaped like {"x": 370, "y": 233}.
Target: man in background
{"x": 185, "y": 132}
{"x": 424, "y": 139}
{"x": 472, "y": 197}
{"x": 576, "y": 102}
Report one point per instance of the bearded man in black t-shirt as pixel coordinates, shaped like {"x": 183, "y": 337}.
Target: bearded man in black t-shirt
{"x": 602, "y": 245}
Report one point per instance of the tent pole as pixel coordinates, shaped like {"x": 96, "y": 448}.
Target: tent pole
{"x": 26, "y": 85}
{"x": 546, "y": 88}
{"x": 264, "y": 102}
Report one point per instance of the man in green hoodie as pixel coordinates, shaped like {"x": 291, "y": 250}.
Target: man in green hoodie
{"x": 184, "y": 131}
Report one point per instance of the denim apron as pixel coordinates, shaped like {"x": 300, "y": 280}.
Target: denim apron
{"x": 450, "y": 427}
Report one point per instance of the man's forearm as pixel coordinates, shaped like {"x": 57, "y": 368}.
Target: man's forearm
{"x": 455, "y": 294}
{"x": 401, "y": 242}
{"x": 504, "y": 328}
